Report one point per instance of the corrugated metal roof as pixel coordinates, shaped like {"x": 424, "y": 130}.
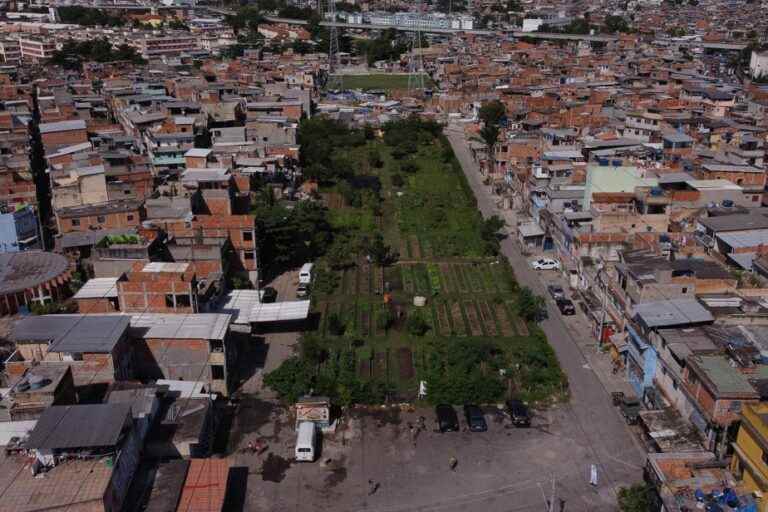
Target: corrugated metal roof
{"x": 207, "y": 326}
{"x": 667, "y": 313}
{"x": 744, "y": 239}
{"x": 239, "y": 304}
{"x": 280, "y": 311}
{"x": 98, "y": 288}
{"x": 73, "y": 333}
{"x": 79, "y": 426}
{"x": 28, "y": 269}
{"x": 62, "y": 126}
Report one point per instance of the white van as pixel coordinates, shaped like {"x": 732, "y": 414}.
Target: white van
{"x": 306, "y": 442}
{"x": 305, "y": 274}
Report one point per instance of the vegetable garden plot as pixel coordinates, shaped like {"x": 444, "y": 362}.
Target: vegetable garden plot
{"x": 426, "y": 248}
{"x": 420, "y": 279}
{"x": 474, "y": 320}
{"x": 380, "y": 364}
{"x": 446, "y": 278}
{"x": 433, "y": 273}
{"x": 405, "y": 363}
{"x": 474, "y": 277}
{"x": 365, "y": 319}
{"x": 405, "y": 248}
{"x": 488, "y": 280}
{"x": 347, "y": 281}
{"x": 462, "y": 286}
{"x": 489, "y": 323}
{"x": 443, "y": 324}
{"x": 415, "y": 248}
{"x": 364, "y": 279}
{"x": 407, "y": 273}
{"x": 394, "y": 277}
{"x": 459, "y": 326}
{"x": 349, "y": 317}
{"x": 503, "y": 316}
{"x": 503, "y": 277}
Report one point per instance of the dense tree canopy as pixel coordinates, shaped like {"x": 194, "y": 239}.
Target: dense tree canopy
{"x": 73, "y": 53}
{"x": 88, "y": 17}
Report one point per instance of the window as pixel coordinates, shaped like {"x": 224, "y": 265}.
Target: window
{"x": 216, "y": 345}
{"x": 101, "y": 219}
{"x": 126, "y": 192}
{"x": 75, "y": 222}
{"x": 685, "y": 289}
{"x": 248, "y": 255}
{"x": 169, "y": 300}
{"x": 755, "y": 198}
{"x": 674, "y": 384}
{"x": 247, "y": 236}
{"x": 129, "y": 217}
{"x": 183, "y": 301}
{"x": 217, "y": 372}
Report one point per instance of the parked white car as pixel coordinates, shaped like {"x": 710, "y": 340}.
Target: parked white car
{"x": 545, "y": 264}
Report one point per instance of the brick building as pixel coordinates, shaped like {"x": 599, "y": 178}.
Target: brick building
{"x": 110, "y": 215}
{"x": 63, "y": 133}
{"x": 159, "y": 287}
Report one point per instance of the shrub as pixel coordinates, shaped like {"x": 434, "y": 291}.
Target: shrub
{"x": 397, "y": 180}
{"x": 416, "y": 326}
{"x": 335, "y": 325}
{"x": 384, "y": 319}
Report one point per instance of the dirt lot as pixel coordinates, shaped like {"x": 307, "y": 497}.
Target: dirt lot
{"x": 503, "y": 469}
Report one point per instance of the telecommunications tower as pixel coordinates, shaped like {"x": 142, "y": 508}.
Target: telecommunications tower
{"x": 416, "y": 59}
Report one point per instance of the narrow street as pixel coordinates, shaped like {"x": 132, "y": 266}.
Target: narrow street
{"x": 595, "y": 421}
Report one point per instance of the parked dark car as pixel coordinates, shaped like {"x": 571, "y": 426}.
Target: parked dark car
{"x": 447, "y": 421}
{"x": 269, "y": 295}
{"x": 519, "y": 413}
{"x": 566, "y": 307}
{"x": 475, "y": 418}
{"x": 556, "y": 291}
{"x": 302, "y": 291}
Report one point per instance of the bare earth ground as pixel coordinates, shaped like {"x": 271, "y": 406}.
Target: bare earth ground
{"x": 504, "y": 469}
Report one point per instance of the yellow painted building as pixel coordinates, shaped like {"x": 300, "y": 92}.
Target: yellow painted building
{"x": 750, "y": 458}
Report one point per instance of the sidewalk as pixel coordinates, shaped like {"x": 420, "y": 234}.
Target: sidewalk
{"x": 578, "y": 324}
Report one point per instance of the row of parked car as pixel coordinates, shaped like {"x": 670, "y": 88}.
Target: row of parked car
{"x": 448, "y": 420}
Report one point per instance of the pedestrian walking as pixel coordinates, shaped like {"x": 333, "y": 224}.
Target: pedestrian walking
{"x": 452, "y": 463}
{"x": 372, "y": 487}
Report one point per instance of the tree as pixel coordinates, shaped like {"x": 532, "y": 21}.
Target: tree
{"x": 289, "y": 237}
{"x": 530, "y": 306}
{"x": 615, "y": 24}
{"x": 491, "y": 114}
{"x": 489, "y": 231}
{"x": 635, "y": 499}
{"x": 382, "y": 254}
{"x": 291, "y": 380}
{"x": 416, "y": 326}
{"x": 490, "y": 135}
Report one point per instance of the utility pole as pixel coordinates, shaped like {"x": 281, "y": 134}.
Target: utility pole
{"x": 333, "y": 37}
{"x": 416, "y": 60}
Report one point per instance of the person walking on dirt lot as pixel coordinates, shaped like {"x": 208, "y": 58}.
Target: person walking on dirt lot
{"x": 372, "y": 487}
{"x": 452, "y": 463}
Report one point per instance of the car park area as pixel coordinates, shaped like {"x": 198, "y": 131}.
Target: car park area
{"x": 497, "y": 470}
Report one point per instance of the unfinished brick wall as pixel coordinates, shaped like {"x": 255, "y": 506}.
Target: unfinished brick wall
{"x": 111, "y": 221}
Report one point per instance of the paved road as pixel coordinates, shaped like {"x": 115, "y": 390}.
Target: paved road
{"x": 595, "y": 421}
